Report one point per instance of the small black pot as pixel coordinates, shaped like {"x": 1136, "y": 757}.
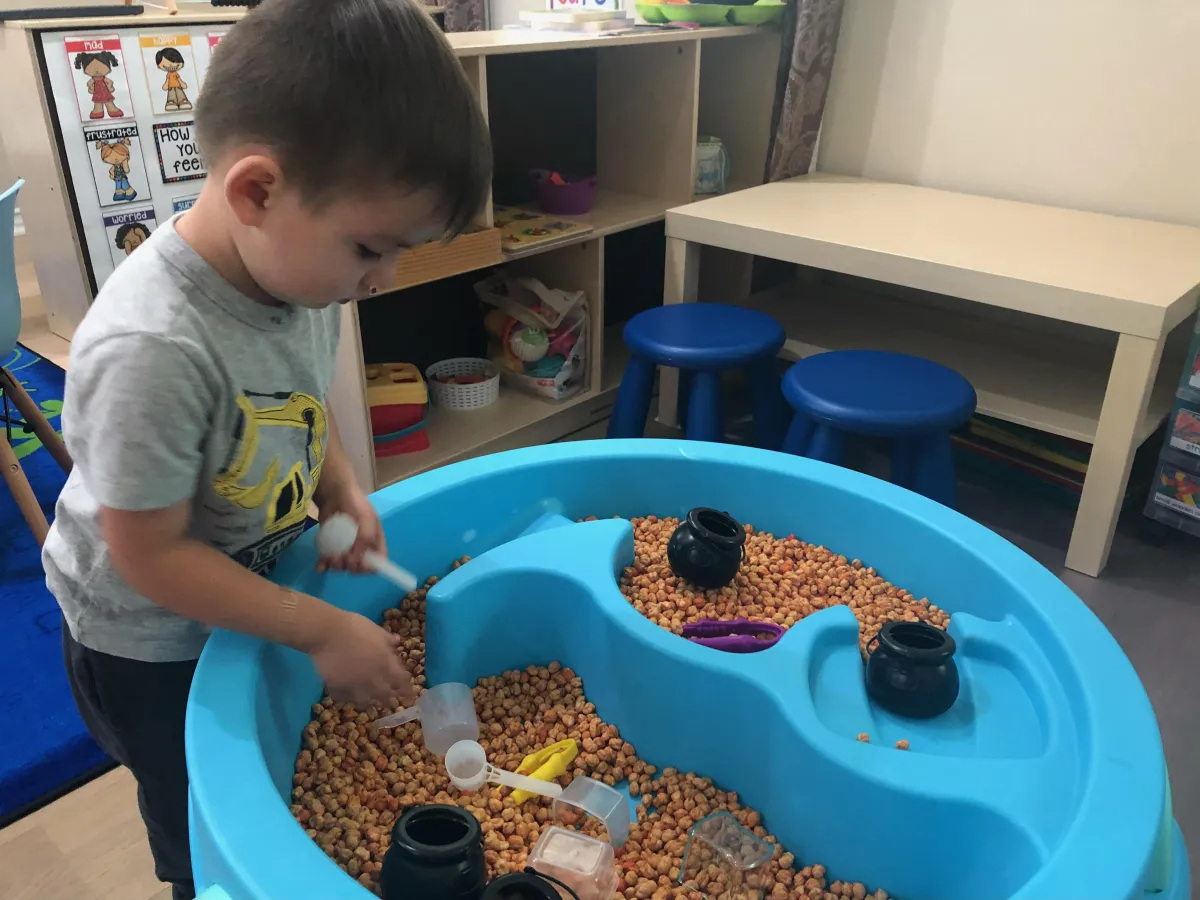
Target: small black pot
{"x": 912, "y": 672}
{"x": 436, "y": 854}
{"x": 707, "y": 548}
{"x": 527, "y": 885}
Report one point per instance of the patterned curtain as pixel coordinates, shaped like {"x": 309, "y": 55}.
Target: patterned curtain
{"x": 465, "y": 15}
{"x": 810, "y": 33}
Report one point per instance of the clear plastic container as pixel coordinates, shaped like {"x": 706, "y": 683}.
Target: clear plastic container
{"x": 583, "y": 863}
{"x": 597, "y": 799}
{"x": 721, "y": 840}
{"x": 447, "y": 714}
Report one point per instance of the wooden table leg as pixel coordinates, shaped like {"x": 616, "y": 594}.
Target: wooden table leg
{"x": 36, "y": 420}
{"x": 680, "y": 286}
{"x": 18, "y": 485}
{"x": 1134, "y": 369}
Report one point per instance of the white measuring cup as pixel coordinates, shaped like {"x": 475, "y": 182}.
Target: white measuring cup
{"x": 469, "y": 770}
{"x": 447, "y": 714}
{"x": 338, "y": 534}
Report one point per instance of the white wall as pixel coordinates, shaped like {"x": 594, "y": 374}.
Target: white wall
{"x": 1093, "y": 104}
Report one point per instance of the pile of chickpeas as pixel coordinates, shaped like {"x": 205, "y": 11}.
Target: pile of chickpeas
{"x": 781, "y": 580}
{"x": 352, "y": 781}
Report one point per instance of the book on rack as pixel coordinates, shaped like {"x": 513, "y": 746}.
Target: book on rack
{"x": 521, "y": 229}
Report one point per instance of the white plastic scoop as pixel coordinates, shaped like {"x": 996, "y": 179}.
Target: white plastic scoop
{"x": 338, "y": 535}
{"x": 469, "y": 770}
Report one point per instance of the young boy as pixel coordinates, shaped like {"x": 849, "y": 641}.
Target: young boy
{"x": 336, "y": 133}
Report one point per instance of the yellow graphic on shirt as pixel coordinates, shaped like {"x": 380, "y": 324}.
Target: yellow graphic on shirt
{"x": 283, "y": 495}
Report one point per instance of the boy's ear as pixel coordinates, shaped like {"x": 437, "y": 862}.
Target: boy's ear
{"x": 252, "y": 184}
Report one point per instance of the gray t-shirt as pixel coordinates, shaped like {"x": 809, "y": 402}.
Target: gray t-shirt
{"x": 180, "y": 387}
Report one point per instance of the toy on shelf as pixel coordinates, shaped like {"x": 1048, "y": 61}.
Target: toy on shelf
{"x": 464, "y": 383}
{"x": 538, "y": 334}
{"x": 521, "y": 229}
{"x": 564, "y": 195}
{"x": 399, "y": 402}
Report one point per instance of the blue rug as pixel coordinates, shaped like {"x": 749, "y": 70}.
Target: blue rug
{"x": 44, "y": 748}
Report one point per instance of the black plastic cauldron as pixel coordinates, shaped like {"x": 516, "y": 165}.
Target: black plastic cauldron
{"x": 707, "y": 548}
{"x": 912, "y": 672}
{"x": 527, "y": 885}
{"x": 436, "y": 854}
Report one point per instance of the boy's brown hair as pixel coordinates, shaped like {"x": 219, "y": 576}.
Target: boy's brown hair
{"x": 350, "y": 94}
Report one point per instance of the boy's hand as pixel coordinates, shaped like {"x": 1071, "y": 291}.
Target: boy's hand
{"x": 358, "y": 662}
{"x": 354, "y": 503}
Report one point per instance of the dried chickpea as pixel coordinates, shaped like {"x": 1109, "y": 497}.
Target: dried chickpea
{"x": 352, "y": 782}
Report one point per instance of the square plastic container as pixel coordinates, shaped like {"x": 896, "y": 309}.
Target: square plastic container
{"x": 596, "y": 799}
{"x": 721, "y": 840}
{"x": 582, "y": 863}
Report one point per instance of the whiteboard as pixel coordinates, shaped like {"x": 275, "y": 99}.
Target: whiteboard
{"x": 131, "y": 209}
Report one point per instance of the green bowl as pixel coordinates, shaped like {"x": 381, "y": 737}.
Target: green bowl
{"x": 758, "y": 14}
{"x": 652, "y": 13}
{"x": 696, "y": 13}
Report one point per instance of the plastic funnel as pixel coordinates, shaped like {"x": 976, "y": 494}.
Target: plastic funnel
{"x": 469, "y": 770}
{"x": 338, "y": 534}
{"x": 447, "y": 714}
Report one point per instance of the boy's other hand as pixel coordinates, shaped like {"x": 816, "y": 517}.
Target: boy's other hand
{"x": 354, "y": 503}
{"x": 358, "y": 662}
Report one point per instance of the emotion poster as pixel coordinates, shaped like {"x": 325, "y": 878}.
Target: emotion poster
{"x": 127, "y": 229}
{"x": 100, "y": 77}
{"x": 178, "y": 156}
{"x": 170, "y": 72}
{"x": 182, "y": 204}
{"x": 115, "y": 152}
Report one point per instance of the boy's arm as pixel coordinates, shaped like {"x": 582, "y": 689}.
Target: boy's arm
{"x": 141, "y": 409}
{"x": 339, "y": 492}
{"x": 151, "y": 551}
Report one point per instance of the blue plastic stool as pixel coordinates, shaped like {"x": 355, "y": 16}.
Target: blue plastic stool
{"x": 702, "y": 340}
{"x": 913, "y": 401}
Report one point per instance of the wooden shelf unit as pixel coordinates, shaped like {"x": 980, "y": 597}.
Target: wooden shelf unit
{"x": 651, "y": 92}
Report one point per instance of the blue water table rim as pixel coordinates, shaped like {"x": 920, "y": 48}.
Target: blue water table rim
{"x": 1110, "y": 841}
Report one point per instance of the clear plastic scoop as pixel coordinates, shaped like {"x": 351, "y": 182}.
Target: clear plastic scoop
{"x": 447, "y": 714}
{"x": 337, "y": 535}
{"x": 469, "y": 770}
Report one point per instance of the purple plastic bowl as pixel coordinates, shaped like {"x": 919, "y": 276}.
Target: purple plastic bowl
{"x": 574, "y": 198}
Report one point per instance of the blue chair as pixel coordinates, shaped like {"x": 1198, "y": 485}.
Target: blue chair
{"x": 701, "y": 340}
{"x": 914, "y": 402}
{"x": 32, "y": 419}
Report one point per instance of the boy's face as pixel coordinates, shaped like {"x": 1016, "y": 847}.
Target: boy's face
{"x": 346, "y": 249}
{"x": 167, "y": 66}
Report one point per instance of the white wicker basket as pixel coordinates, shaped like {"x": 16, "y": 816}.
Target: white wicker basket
{"x": 463, "y": 396}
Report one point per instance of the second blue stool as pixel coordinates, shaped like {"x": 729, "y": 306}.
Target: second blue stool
{"x": 913, "y": 401}
{"x": 702, "y": 340}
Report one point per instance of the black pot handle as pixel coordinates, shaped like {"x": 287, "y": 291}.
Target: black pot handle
{"x": 530, "y": 870}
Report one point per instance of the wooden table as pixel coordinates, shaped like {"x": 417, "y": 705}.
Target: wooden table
{"x": 1058, "y": 317}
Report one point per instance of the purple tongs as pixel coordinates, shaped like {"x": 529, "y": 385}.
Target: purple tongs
{"x": 735, "y": 636}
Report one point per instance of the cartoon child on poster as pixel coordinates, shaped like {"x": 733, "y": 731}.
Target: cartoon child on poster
{"x": 130, "y": 236}
{"x": 97, "y": 67}
{"x": 116, "y": 154}
{"x": 170, "y": 60}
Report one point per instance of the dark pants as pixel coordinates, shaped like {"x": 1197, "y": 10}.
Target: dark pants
{"x": 135, "y": 712}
